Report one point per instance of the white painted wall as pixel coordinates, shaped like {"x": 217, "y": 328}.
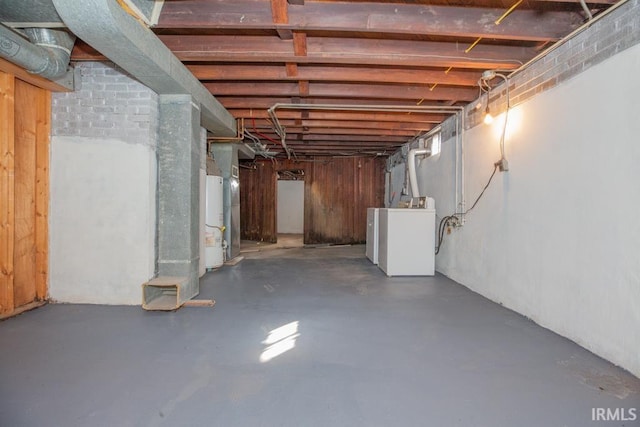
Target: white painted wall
{"x": 290, "y": 207}
{"x": 557, "y": 238}
{"x": 102, "y": 220}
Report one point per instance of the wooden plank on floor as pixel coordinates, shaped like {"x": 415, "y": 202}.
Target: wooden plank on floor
{"x": 234, "y": 261}
{"x": 25, "y": 192}
{"x": 43, "y": 132}
{"x": 7, "y": 95}
{"x": 199, "y": 303}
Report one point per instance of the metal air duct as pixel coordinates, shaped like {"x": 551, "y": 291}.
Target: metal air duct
{"x": 46, "y": 54}
{"x": 105, "y": 26}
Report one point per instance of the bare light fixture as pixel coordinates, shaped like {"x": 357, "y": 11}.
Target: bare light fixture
{"x": 487, "y": 76}
{"x": 488, "y": 118}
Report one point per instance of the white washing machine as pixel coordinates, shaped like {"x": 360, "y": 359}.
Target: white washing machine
{"x": 406, "y": 241}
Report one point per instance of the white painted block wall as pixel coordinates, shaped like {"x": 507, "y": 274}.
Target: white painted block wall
{"x": 103, "y": 187}
{"x": 557, "y": 238}
{"x": 102, "y": 220}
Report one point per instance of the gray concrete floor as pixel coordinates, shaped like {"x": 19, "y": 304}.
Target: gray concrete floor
{"x": 368, "y": 351}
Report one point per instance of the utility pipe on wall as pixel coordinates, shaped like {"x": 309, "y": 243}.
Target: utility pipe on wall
{"x": 411, "y": 166}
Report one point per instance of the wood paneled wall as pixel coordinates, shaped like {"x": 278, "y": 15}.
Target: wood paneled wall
{"x": 258, "y": 187}
{"x": 337, "y": 195}
{"x": 338, "y": 192}
{"x": 25, "y": 112}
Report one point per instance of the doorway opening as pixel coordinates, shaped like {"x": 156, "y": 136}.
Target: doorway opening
{"x": 290, "y": 207}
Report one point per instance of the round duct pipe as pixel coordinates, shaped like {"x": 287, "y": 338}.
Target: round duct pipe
{"x": 46, "y": 53}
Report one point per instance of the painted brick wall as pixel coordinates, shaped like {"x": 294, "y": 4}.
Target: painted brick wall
{"x": 107, "y": 103}
{"x": 606, "y": 37}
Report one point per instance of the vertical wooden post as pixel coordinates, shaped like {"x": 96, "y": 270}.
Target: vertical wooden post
{"x": 24, "y": 251}
{"x": 43, "y": 130}
{"x": 7, "y": 171}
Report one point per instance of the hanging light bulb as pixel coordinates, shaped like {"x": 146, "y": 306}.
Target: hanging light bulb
{"x": 488, "y": 118}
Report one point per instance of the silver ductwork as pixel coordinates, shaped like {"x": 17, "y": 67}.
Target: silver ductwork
{"x": 46, "y": 53}
{"x": 29, "y": 13}
{"x": 105, "y": 26}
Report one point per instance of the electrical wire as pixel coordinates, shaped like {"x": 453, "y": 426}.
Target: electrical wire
{"x": 495, "y": 168}
{"x": 456, "y": 217}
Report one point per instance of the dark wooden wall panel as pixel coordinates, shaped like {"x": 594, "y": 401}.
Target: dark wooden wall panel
{"x": 258, "y": 203}
{"x": 338, "y": 192}
{"x": 337, "y": 195}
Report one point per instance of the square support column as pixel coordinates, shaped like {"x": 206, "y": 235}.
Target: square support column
{"x": 179, "y": 155}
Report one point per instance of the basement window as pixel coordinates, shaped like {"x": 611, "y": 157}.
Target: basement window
{"x": 435, "y": 145}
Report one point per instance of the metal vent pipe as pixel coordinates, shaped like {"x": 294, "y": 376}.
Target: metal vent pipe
{"x": 46, "y": 54}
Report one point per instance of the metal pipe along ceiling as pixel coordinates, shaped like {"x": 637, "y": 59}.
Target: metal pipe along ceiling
{"x": 47, "y": 54}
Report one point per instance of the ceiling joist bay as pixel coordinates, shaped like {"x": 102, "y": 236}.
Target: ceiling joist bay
{"x": 253, "y": 54}
{"x": 369, "y": 17}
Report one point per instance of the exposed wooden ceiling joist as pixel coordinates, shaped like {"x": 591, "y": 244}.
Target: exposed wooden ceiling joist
{"x": 351, "y": 90}
{"x": 235, "y": 103}
{"x": 347, "y": 124}
{"x": 369, "y": 116}
{"x": 351, "y": 131}
{"x": 371, "y": 17}
{"x": 252, "y": 54}
{"x": 354, "y": 138}
{"x": 334, "y": 73}
{"x": 355, "y": 51}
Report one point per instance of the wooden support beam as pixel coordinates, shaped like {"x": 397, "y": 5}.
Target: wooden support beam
{"x": 291, "y": 70}
{"x": 375, "y": 91}
{"x": 263, "y": 103}
{"x": 242, "y": 88}
{"x": 353, "y": 138}
{"x": 353, "y": 131}
{"x": 368, "y": 116}
{"x": 26, "y": 106}
{"x": 43, "y": 132}
{"x": 303, "y": 86}
{"x": 371, "y": 18}
{"x": 332, "y": 50}
{"x": 345, "y": 124}
{"x": 280, "y": 17}
{"x": 279, "y": 12}
{"x": 302, "y": 147}
{"x": 357, "y": 94}
{"x": 34, "y": 79}
{"x": 382, "y": 146}
{"x": 7, "y": 208}
{"x": 317, "y": 73}
{"x": 299, "y": 43}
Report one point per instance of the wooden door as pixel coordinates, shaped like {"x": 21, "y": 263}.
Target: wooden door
{"x": 24, "y": 193}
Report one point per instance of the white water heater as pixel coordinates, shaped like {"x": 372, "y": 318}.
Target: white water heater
{"x": 214, "y": 223}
